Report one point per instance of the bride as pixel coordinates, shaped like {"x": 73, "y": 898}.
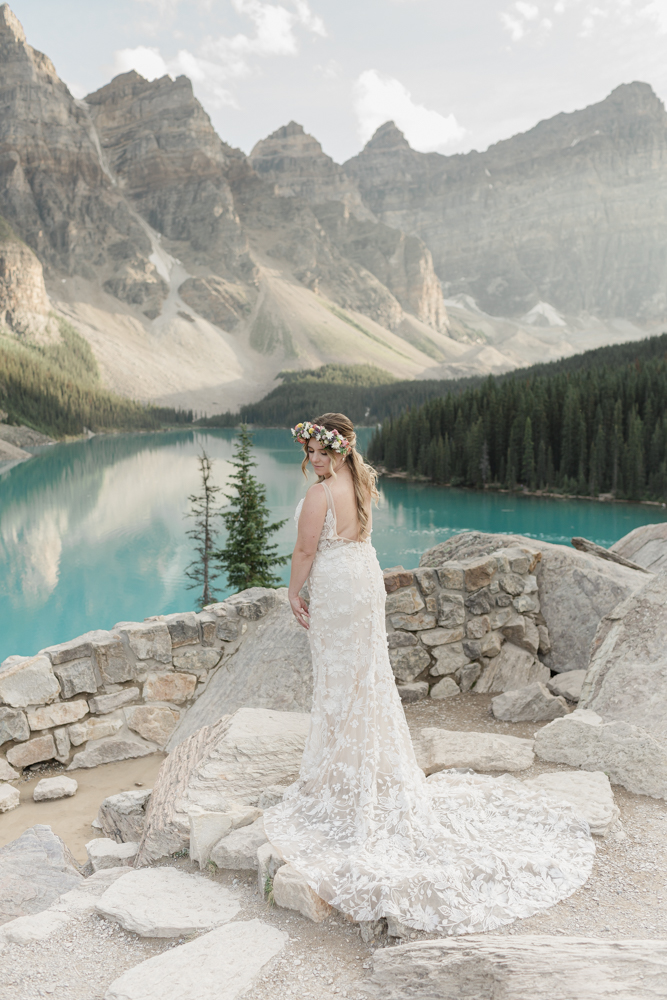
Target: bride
{"x": 454, "y": 854}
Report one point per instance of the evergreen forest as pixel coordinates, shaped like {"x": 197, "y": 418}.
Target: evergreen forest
{"x": 593, "y": 424}
{"x": 56, "y": 389}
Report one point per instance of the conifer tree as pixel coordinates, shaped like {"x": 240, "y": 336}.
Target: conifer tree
{"x": 248, "y": 560}
{"x": 203, "y": 508}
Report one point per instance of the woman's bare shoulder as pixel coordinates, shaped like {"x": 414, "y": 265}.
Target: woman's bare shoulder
{"x": 315, "y": 496}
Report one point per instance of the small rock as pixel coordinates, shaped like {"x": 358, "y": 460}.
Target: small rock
{"x": 513, "y": 668}
{"x": 10, "y": 798}
{"x": 588, "y": 791}
{"x": 58, "y": 714}
{"x": 165, "y": 903}
{"x": 532, "y": 703}
{"x": 448, "y": 659}
{"x": 63, "y": 745}
{"x": 147, "y": 640}
{"x": 32, "y": 752}
{"x": 446, "y": 688}
{"x": 207, "y": 828}
{"x": 107, "y": 750}
{"x": 60, "y": 787}
{"x": 441, "y": 636}
{"x": 197, "y": 661}
{"x": 172, "y": 687}
{"x": 27, "y": 680}
{"x": 441, "y": 749}
{"x": 568, "y": 685}
{"x": 238, "y": 850}
{"x": 95, "y": 729}
{"x": 410, "y": 693}
{"x": 122, "y": 816}
{"x": 7, "y": 773}
{"x": 13, "y": 725}
{"x": 104, "y": 703}
{"x": 220, "y": 965}
{"x": 105, "y": 853}
{"x": 153, "y": 722}
{"x": 408, "y": 663}
{"x": 292, "y": 892}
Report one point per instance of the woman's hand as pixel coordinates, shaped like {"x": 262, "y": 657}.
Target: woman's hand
{"x": 299, "y": 609}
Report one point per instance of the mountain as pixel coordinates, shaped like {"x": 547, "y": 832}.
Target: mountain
{"x": 197, "y": 273}
{"x": 572, "y": 213}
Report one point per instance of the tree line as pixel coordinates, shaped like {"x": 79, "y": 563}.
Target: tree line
{"x": 56, "y": 389}
{"x": 596, "y": 429}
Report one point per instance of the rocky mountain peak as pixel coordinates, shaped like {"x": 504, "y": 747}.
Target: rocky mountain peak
{"x": 10, "y": 24}
{"x": 295, "y": 162}
{"x": 387, "y": 136}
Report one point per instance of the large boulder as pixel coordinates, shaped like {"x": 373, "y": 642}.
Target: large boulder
{"x": 220, "y": 769}
{"x": 35, "y": 869}
{"x": 270, "y": 668}
{"x": 646, "y": 546}
{"x": 629, "y": 755}
{"x": 489, "y": 967}
{"x": 576, "y": 590}
{"x": 627, "y": 675}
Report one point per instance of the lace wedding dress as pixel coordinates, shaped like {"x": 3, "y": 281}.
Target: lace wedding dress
{"x": 454, "y": 853}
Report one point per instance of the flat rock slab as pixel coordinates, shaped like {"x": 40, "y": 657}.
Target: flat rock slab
{"x": 165, "y": 902}
{"x": 35, "y": 869}
{"x": 503, "y": 968}
{"x": 220, "y": 965}
{"x": 440, "y": 749}
{"x": 629, "y": 755}
{"x": 588, "y": 791}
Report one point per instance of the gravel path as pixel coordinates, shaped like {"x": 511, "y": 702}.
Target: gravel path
{"x": 626, "y": 897}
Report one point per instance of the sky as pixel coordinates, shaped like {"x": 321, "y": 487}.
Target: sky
{"x": 454, "y": 75}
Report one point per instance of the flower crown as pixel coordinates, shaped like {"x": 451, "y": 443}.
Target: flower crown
{"x": 333, "y": 440}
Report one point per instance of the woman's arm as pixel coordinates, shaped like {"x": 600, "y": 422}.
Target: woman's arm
{"x": 311, "y": 520}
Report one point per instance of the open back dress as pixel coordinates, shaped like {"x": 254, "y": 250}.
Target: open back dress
{"x": 454, "y": 853}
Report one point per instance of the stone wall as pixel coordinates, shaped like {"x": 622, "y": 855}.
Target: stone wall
{"x": 469, "y": 625}
{"x": 110, "y": 695}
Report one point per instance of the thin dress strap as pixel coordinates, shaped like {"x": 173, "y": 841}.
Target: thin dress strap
{"x": 330, "y": 505}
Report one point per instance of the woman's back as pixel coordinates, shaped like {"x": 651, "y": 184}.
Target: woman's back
{"x": 345, "y": 503}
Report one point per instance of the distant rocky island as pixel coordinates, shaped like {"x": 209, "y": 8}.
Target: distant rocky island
{"x": 196, "y": 273}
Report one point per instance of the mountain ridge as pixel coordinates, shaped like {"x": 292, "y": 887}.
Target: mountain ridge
{"x": 197, "y": 272}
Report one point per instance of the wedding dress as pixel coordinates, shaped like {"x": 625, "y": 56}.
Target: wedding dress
{"x": 454, "y": 853}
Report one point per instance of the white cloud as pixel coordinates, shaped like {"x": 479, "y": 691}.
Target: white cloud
{"x": 657, "y": 12}
{"x": 527, "y": 10}
{"x": 146, "y": 61}
{"x": 378, "y": 99}
{"x": 226, "y": 58}
{"x": 514, "y": 26}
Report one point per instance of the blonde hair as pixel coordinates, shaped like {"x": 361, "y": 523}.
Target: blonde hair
{"x": 364, "y": 476}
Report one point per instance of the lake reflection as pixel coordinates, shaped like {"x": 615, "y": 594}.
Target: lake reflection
{"x": 94, "y": 532}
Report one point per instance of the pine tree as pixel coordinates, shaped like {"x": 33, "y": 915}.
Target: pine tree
{"x": 203, "y": 508}
{"x": 248, "y": 560}
{"x": 528, "y": 460}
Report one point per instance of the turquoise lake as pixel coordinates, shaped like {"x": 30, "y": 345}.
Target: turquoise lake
{"x": 94, "y": 532}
